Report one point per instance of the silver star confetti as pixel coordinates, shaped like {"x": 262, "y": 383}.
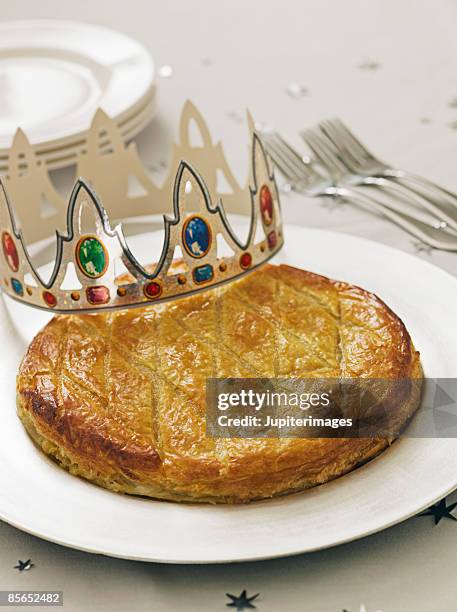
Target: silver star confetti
{"x": 235, "y": 117}
{"x": 285, "y": 189}
{"x": 295, "y": 90}
{"x": 165, "y": 71}
{"x": 422, "y": 247}
{"x": 361, "y": 609}
{"x": 333, "y": 203}
{"x": 369, "y": 65}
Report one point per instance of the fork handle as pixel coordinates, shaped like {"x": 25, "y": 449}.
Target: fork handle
{"x": 435, "y": 238}
{"x": 402, "y": 177}
{"x": 444, "y": 213}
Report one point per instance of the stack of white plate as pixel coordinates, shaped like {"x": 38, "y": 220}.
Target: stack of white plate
{"x": 55, "y": 74}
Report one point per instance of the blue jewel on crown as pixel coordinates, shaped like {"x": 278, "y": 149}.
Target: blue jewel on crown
{"x": 196, "y": 236}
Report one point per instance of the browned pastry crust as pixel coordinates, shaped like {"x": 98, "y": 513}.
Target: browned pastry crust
{"x": 119, "y": 398}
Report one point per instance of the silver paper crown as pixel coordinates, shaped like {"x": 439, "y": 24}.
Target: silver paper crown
{"x": 107, "y": 165}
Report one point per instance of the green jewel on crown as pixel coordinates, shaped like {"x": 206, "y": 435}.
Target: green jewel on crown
{"x": 91, "y": 256}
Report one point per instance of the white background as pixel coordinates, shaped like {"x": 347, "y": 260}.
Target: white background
{"x": 227, "y": 56}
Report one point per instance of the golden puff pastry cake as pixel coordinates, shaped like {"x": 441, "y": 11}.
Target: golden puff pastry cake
{"x": 119, "y": 398}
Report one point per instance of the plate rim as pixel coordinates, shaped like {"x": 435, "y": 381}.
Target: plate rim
{"x": 244, "y": 559}
{"x": 127, "y": 113}
{"x": 292, "y": 550}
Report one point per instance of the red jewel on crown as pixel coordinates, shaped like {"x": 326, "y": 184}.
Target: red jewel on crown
{"x": 152, "y": 290}
{"x": 10, "y": 251}
{"x": 245, "y": 260}
{"x": 49, "y": 298}
{"x": 266, "y": 205}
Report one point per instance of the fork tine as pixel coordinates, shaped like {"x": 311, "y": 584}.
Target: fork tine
{"x": 325, "y": 152}
{"x": 360, "y": 150}
{"x": 287, "y": 147}
{"x": 350, "y": 155}
{"x": 291, "y": 171}
{"x": 283, "y": 165}
{"x": 292, "y": 156}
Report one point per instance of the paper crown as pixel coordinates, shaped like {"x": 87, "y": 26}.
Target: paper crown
{"x": 85, "y": 275}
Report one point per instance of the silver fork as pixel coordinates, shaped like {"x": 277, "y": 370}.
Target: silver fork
{"x": 360, "y": 161}
{"x": 304, "y": 178}
{"x": 334, "y": 157}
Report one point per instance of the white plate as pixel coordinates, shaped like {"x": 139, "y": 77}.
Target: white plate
{"x": 40, "y": 498}
{"x": 55, "y": 74}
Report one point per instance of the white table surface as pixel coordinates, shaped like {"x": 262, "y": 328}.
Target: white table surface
{"x": 227, "y": 56}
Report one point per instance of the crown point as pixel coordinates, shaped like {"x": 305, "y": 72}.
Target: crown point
{"x": 100, "y": 115}
{"x": 188, "y": 105}
{"x": 82, "y": 185}
{"x": 190, "y": 113}
{"x": 250, "y": 121}
{"x": 20, "y": 139}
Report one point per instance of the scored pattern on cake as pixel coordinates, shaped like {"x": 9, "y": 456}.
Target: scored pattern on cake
{"x": 167, "y": 361}
{"x": 120, "y": 398}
